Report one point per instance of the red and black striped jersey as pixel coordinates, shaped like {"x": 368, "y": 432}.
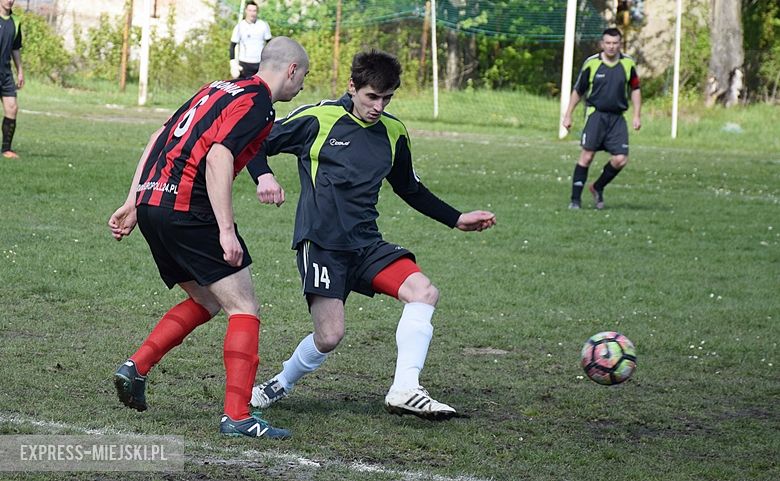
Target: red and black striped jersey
{"x": 237, "y": 114}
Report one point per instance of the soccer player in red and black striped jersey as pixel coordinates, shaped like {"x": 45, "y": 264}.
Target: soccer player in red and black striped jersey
{"x": 180, "y": 198}
{"x": 607, "y": 81}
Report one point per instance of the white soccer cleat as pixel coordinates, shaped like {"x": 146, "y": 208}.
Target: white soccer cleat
{"x": 417, "y": 401}
{"x": 267, "y": 393}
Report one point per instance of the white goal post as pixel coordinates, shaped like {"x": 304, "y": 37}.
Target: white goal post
{"x": 568, "y": 60}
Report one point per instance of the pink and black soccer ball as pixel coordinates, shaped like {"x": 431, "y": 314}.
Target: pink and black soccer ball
{"x": 609, "y": 358}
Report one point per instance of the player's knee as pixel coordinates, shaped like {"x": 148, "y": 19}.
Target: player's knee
{"x": 586, "y": 158}
{"x": 326, "y": 342}
{"x": 246, "y": 307}
{"x": 619, "y": 161}
{"x": 10, "y": 111}
{"x": 212, "y": 307}
{"x": 207, "y": 302}
{"x": 427, "y": 294}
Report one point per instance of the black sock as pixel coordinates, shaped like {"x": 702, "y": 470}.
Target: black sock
{"x": 578, "y": 182}
{"x": 606, "y": 177}
{"x": 9, "y": 126}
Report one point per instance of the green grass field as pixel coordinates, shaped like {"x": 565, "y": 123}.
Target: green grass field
{"x": 685, "y": 260}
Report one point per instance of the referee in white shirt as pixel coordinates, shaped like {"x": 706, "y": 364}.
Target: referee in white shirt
{"x": 250, "y": 35}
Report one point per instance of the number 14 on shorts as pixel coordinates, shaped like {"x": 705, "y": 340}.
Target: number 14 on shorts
{"x": 321, "y": 276}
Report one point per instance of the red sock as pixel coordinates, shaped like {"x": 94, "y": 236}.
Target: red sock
{"x": 174, "y": 326}
{"x": 241, "y": 360}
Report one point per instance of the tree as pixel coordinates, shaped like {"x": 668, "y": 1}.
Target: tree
{"x": 725, "y": 82}
{"x": 761, "y": 21}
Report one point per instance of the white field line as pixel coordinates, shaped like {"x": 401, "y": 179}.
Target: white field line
{"x": 248, "y": 457}
{"x": 107, "y": 117}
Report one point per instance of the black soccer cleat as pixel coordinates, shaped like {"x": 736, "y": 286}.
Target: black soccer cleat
{"x": 131, "y": 386}
{"x": 598, "y": 196}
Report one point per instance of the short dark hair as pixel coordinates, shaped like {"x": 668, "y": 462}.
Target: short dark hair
{"x": 612, "y": 32}
{"x": 377, "y": 69}
{"x": 250, "y": 2}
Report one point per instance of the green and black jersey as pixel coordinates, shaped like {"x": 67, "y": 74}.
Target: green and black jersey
{"x": 342, "y": 162}
{"x": 10, "y": 39}
{"x": 606, "y": 87}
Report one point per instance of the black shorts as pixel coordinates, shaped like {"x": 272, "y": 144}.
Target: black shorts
{"x": 248, "y": 69}
{"x": 7, "y": 85}
{"x": 185, "y": 245}
{"x": 335, "y": 274}
{"x": 605, "y": 131}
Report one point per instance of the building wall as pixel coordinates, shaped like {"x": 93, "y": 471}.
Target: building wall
{"x": 64, "y": 14}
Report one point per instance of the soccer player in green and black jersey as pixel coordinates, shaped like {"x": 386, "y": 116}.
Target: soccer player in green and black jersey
{"x": 345, "y": 149}
{"x": 10, "y": 48}
{"x": 606, "y": 82}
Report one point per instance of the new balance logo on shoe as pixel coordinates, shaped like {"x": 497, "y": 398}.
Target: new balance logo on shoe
{"x": 256, "y": 428}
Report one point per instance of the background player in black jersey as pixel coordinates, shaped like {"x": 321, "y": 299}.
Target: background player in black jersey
{"x": 180, "y": 197}
{"x": 606, "y": 82}
{"x": 346, "y": 148}
{"x": 10, "y": 48}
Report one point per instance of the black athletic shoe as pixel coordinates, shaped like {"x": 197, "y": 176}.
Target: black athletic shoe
{"x": 598, "y": 196}
{"x": 131, "y": 386}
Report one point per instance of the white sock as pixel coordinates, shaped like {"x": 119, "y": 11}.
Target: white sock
{"x": 305, "y": 359}
{"x": 413, "y": 337}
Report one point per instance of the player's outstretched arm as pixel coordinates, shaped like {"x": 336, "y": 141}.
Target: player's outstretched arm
{"x": 269, "y": 191}
{"x": 123, "y": 220}
{"x": 477, "y": 220}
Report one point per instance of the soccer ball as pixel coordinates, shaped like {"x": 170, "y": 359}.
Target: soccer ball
{"x": 609, "y": 358}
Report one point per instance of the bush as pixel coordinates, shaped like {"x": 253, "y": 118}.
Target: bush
{"x": 43, "y": 54}
{"x": 98, "y": 54}
{"x": 762, "y": 50}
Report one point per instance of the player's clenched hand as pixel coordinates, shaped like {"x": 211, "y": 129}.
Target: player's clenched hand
{"x": 637, "y": 123}
{"x": 566, "y": 122}
{"x": 477, "y": 220}
{"x": 235, "y": 68}
{"x": 122, "y": 221}
{"x": 231, "y": 248}
{"x": 269, "y": 191}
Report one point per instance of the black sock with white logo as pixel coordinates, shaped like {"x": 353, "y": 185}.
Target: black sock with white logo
{"x": 578, "y": 182}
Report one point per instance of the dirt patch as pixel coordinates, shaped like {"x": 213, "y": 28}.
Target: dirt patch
{"x": 484, "y": 351}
